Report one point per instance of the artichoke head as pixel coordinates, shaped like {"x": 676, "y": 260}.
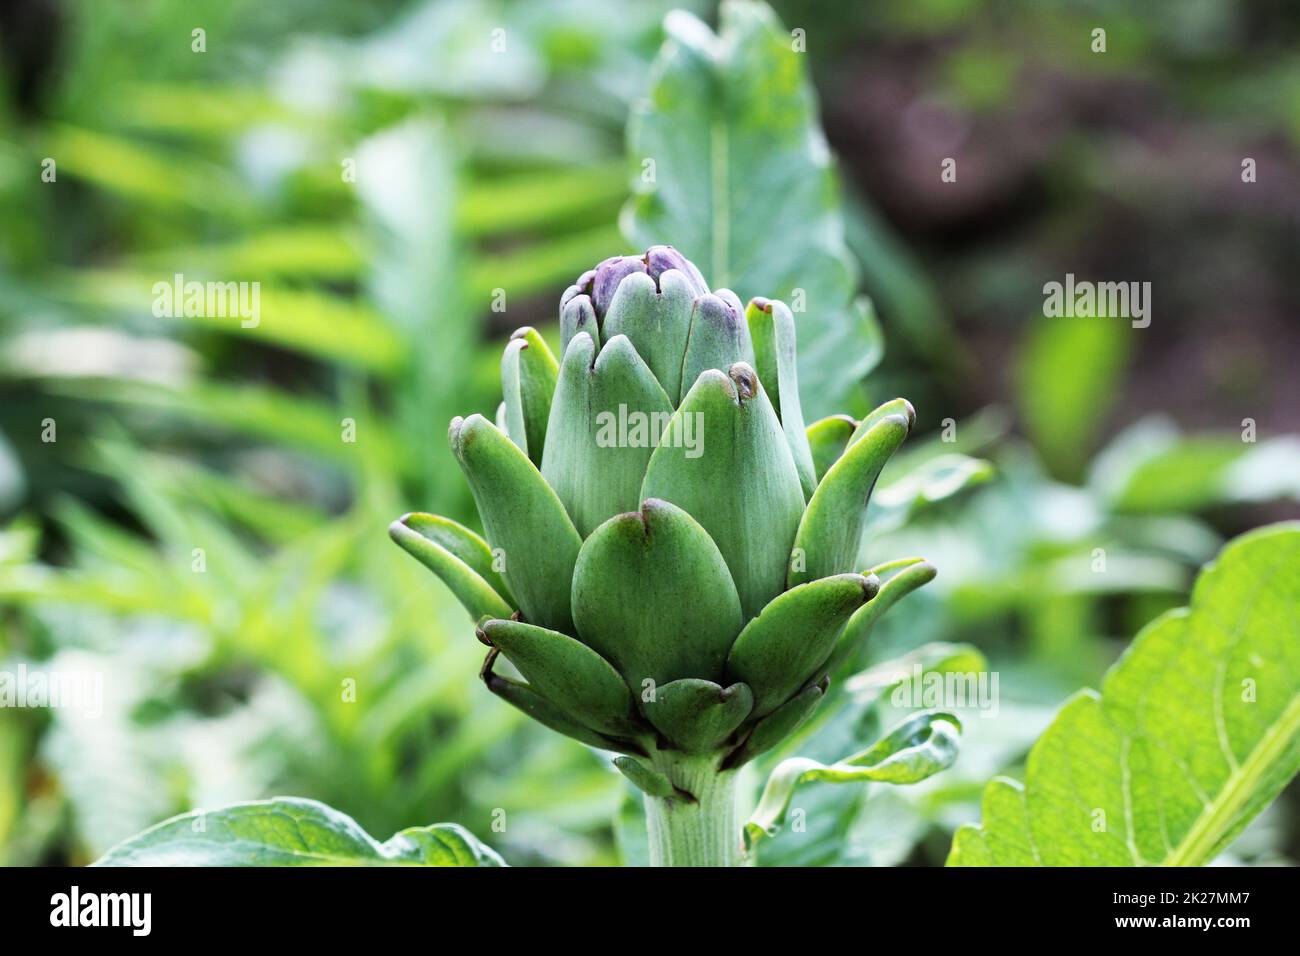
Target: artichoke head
{"x": 671, "y": 558}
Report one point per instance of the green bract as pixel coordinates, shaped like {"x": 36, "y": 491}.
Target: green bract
{"x": 671, "y": 562}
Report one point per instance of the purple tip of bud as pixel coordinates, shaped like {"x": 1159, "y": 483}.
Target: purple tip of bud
{"x": 732, "y": 300}
{"x": 718, "y": 309}
{"x": 608, "y": 275}
{"x": 659, "y": 259}
{"x": 761, "y": 303}
{"x": 571, "y": 293}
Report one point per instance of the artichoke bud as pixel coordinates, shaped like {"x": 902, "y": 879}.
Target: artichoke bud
{"x": 670, "y": 556}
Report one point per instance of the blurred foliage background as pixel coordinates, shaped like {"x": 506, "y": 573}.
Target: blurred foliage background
{"x": 477, "y": 171}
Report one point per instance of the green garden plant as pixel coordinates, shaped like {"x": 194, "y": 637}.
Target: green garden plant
{"x": 671, "y": 561}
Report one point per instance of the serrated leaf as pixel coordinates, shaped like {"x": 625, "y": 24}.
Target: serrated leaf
{"x": 1195, "y": 731}
{"x": 733, "y": 116}
{"x": 290, "y": 831}
{"x": 917, "y": 747}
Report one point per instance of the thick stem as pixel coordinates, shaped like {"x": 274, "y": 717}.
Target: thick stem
{"x": 698, "y": 832}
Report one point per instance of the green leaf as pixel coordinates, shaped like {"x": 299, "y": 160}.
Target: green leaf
{"x": 915, "y": 573}
{"x": 830, "y": 531}
{"x": 539, "y": 198}
{"x": 651, "y": 593}
{"x": 527, "y": 700}
{"x": 1067, "y": 378}
{"x": 291, "y": 831}
{"x": 460, "y": 558}
{"x": 648, "y": 781}
{"x": 791, "y": 638}
{"x": 778, "y": 725}
{"x": 657, "y": 320}
{"x": 538, "y": 267}
{"x": 919, "y": 746}
{"x": 1195, "y": 731}
{"x": 461, "y": 542}
{"x": 733, "y": 117}
{"x": 899, "y": 407}
{"x": 698, "y": 715}
{"x": 577, "y": 315}
{"x": 936, "y": 657}
{"x": 718, "y": 339}
{"x": 523, "y": 518}
{"x": 568, "y": 674}
{"x": 528, "y": 374}
{"x": 771, "y": 330}
{"x": 262, "y": 412}
{"x": 607, "y": 415}
{"x": 725, "y": 460}
{"x": 309, "y": 322}
{"x": 827, "y": 439}
{"x": 934, "y": 480}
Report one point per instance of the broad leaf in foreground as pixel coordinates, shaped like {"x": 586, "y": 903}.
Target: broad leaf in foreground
{"x": 289, "y": 831}
{"x": 1195, "y": 731}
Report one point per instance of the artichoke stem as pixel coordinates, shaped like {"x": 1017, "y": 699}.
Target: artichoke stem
{"x": 694, "y": 832}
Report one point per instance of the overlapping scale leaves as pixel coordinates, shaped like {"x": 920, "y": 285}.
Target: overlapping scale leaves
{"x": 671, "y": 557}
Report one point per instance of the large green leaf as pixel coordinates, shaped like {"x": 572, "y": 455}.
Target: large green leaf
{"x": 1196, "y": 729}
{"x": 743, "y": 184}
{"x": 290, "y": 831}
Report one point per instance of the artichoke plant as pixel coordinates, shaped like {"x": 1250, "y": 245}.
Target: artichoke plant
{"x": 670, "y": 568}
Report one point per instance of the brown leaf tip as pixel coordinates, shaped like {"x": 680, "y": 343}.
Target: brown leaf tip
{"x": 745, "y": 379}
